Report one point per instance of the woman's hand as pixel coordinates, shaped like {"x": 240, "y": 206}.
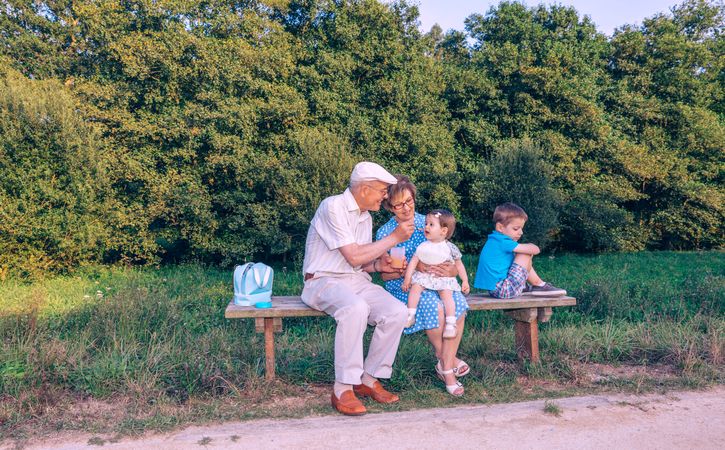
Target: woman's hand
{"x": 445, "y": 269}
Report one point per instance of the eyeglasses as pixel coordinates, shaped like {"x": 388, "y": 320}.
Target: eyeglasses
{"x": 383, "y": 191}
{"x": 410, "y": 202}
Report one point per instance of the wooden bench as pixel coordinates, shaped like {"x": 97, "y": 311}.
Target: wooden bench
{"x": 527, "y": 312}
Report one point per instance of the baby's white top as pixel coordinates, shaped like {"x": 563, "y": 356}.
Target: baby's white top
{"x": 434, "y": 252}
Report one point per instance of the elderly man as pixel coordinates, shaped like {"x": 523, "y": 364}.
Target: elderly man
{"x": 339, "y": 254}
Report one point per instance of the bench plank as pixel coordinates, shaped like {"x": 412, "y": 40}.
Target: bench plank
{"x": 292, "y": 306}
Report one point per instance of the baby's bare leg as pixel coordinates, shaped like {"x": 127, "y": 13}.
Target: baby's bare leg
{"x": 414, "y": 295}
{"x": 413, "y": 299}
{"x": 449, "y": 306}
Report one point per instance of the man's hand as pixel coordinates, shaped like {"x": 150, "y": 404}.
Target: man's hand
{"x": 465, "y": 288}
{"x": 446, "y": 269}
{"x": 404, "y": 230}
{"x": 385, "y": 265}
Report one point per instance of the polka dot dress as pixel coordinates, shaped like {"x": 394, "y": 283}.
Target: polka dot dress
{"x": 426, "y": 317}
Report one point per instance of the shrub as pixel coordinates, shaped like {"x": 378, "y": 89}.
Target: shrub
{"x": 52, "y": 188}
{"x": 591, "y": 223}
{"x": 518, "y": 173}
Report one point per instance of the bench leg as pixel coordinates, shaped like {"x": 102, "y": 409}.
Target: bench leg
{"x": 527, "y": 340}
{"x": 269, "y": 348}
{"x": 526, "y": 331}
{"x": 544, "y": 314}
{"x": 268, "y": 326}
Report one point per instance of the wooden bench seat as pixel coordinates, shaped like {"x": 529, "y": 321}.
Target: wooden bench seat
{"x": 527, "y": 311}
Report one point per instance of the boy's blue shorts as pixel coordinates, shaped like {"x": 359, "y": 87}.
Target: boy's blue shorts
{"x": 513, "y": 285}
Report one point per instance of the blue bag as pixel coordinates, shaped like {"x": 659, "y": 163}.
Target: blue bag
{"x": 253, "y": 285}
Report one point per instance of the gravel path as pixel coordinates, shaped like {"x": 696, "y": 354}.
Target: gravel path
{"x": 676, "y": 420}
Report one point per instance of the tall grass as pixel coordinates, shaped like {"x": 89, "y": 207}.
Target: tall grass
{"x": 152, "y": 334}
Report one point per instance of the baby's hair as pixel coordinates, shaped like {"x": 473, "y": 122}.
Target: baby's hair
{"x": 446, "y": 219}
{"x": 507, "y": 212}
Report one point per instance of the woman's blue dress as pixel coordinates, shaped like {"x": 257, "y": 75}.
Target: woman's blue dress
{"x": 426, "y": 317}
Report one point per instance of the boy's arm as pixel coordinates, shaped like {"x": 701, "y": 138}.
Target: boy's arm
{"x": 465, "y": 287}
{"x": 527, "y": 249}
{"x": 409, "y": 273}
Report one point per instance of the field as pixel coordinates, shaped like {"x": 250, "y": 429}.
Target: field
{"x": 125, "y": 350}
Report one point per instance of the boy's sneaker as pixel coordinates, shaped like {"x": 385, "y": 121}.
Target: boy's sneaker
{"x": 545, "y": 290}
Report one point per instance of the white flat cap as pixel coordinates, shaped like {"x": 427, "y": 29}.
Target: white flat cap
{"x": 369, "y": 171}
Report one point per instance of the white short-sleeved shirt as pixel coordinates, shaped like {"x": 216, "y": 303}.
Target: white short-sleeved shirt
{"x": 338, "y": 222}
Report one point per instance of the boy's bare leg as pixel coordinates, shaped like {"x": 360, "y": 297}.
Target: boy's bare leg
{"x": 534, "y": 278}
{"x": 523, "y": 261}
{"x": 526, "y": 261}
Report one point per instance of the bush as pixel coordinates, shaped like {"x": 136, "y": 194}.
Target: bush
{"x": 590, "y": 223}
{"x": 52, "y": 188}
{"x": 518, "y": 173}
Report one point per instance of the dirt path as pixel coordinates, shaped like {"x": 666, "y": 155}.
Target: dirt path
{"x": 677, "y": 420}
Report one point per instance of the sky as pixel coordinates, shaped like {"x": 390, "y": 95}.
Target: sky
{"x": 606, "y": 14}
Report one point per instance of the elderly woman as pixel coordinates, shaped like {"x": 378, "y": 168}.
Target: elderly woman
{"x": 429, "y": 316}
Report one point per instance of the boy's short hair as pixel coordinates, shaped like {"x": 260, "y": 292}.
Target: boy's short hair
{"x": 507, "y": 212}
{"x": 446, "y": 219}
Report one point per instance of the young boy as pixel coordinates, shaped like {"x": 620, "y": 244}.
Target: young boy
{"x": 505, "y": 265}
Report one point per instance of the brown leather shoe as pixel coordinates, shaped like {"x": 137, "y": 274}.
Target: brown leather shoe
{"x": 377, "y": 392}
{"x": 348, "y": 404}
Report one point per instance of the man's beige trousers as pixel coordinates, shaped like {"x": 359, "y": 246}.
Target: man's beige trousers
{"x": 355, "y": 302}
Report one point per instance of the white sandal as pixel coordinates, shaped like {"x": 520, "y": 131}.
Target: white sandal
{"x": 462, "y": 369}
{"x": 455, "y": 389}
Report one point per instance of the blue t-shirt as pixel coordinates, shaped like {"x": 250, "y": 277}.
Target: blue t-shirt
{"x": 495, "y": 260}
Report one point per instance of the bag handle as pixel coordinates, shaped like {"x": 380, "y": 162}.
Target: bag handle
{"x": 241, "y": 271}
{"x": 262, "y": 279}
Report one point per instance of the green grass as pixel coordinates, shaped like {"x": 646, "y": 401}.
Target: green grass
{"x": 154, "y": 345}
{"x": 552, "y": 408}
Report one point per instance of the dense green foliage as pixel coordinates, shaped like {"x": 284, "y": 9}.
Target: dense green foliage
{"x": 167, "y": 130}
{"x": 158, "y": 335}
